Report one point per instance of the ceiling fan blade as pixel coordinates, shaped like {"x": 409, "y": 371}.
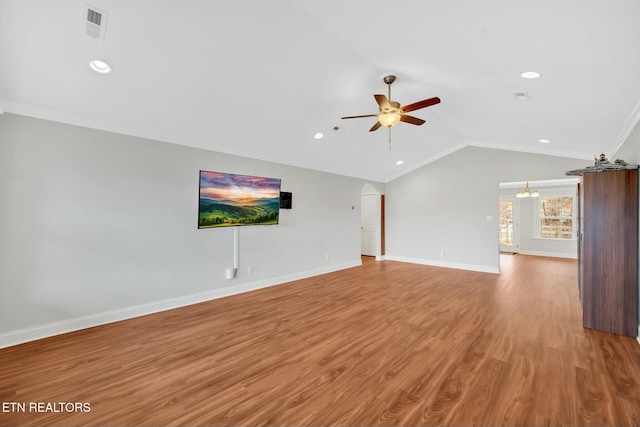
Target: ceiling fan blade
{"x": 375, "y": 127}
{"x": 421, "y": 104}
{"x": 413, "y": 120}
{"x": 382, "y": 101}
{"x": 359, "y": 117}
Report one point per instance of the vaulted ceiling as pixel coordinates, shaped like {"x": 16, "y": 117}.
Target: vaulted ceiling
{"x": 260, "y": 78}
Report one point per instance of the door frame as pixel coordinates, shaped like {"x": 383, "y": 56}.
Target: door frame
{"x": 378, "y": 221}
{"x": 516, "y": 228}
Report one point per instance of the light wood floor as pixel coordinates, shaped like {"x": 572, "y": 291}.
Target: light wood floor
{"x": 383, "y": 344}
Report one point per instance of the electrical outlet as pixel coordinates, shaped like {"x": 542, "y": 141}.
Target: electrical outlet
{"x": 326, "y": 257}
{"x": 250, "y": 269}
{"x": 441, "y": 252}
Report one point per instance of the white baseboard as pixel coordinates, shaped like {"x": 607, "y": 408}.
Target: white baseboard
{"x": 549, "y": 254}
{"x": 638, "y": 338}
{"x": 12, "y": 338}
{"x": 446, "y": 264}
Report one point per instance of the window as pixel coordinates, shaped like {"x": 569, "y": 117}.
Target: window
{"x": 556, "y": 217}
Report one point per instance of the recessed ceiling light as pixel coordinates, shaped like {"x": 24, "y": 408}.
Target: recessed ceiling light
{"x": 530, "y": 75}
{"x": 399, "y": 162}
{"x": 100, "y": 67}
{"x": 318, "y": 135}
{"x": 544, "y": 141}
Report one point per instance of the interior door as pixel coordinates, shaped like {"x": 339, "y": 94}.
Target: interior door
{"x": 508, "y": 223}
{"x": 369, "y": 224}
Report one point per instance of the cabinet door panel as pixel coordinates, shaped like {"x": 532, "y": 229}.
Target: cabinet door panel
{"x": 609, "y": 256}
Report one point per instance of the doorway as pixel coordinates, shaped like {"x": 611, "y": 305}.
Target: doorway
{"x": 508, "y": 225}
{"x": 372, "y": 222}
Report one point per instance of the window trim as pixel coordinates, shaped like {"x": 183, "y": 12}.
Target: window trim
{"x": 537, "y": 226}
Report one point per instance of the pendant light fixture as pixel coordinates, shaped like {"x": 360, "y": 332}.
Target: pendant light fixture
{"x": 525, "y": 192}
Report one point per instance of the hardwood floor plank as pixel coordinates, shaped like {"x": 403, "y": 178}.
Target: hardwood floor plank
{"x": 556, "y": 405}
{"x": 592, "y": 400}
{"x": 455, "y": 385}
{"x": 480, "y": 403}
{"x": 518, "y": 397}
{"x": 622, "y": 378}
{"x": 384, "y": 344}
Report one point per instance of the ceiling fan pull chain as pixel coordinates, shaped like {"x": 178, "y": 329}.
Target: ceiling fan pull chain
{"x": 389, "y": 138}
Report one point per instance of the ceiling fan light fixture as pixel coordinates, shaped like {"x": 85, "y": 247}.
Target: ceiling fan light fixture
{"x": 391, "y": 112}
{"x": 389, "y": 119}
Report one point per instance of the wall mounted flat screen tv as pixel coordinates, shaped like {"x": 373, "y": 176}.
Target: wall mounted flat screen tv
{"x": 229, "y": 200}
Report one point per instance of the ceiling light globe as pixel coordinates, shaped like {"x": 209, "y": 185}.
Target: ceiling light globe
{"x": 389, "y": 119}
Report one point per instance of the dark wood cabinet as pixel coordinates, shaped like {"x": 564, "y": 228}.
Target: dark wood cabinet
{"x": 608, "y": 251}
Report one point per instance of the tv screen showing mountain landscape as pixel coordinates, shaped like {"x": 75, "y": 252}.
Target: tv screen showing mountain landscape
{"x": 228, "y": 200}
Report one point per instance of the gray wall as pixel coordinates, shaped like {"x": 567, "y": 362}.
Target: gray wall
{"x": 630, "y": 152}
{"x": 445, "y": 205}
{"x": 97, "y": 226}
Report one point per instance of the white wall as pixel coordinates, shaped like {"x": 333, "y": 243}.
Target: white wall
{"x": 444, "y": 205}
{"x": 630, "y": 152}
{"x": 528, "y": 242}
{"x": 96, "y": 226}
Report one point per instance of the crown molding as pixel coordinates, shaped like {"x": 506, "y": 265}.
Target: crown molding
{"x": 627, "y": 128}
{"x": 533, "y": 150}
{"x": 87, "y": 122}
{"x": 83, "y": 121}
{"x": 425, "y": 162}
{"x": 483, "y": 144}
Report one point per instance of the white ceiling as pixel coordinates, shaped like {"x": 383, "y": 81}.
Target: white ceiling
{"x": 259, "y": 78}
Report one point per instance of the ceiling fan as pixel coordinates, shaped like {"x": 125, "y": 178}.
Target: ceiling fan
{"x": 391, "y": 112}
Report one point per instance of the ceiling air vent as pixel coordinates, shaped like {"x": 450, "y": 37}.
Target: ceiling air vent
{"x": 95, "y": 21}
{"x": 522, "y": 96}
